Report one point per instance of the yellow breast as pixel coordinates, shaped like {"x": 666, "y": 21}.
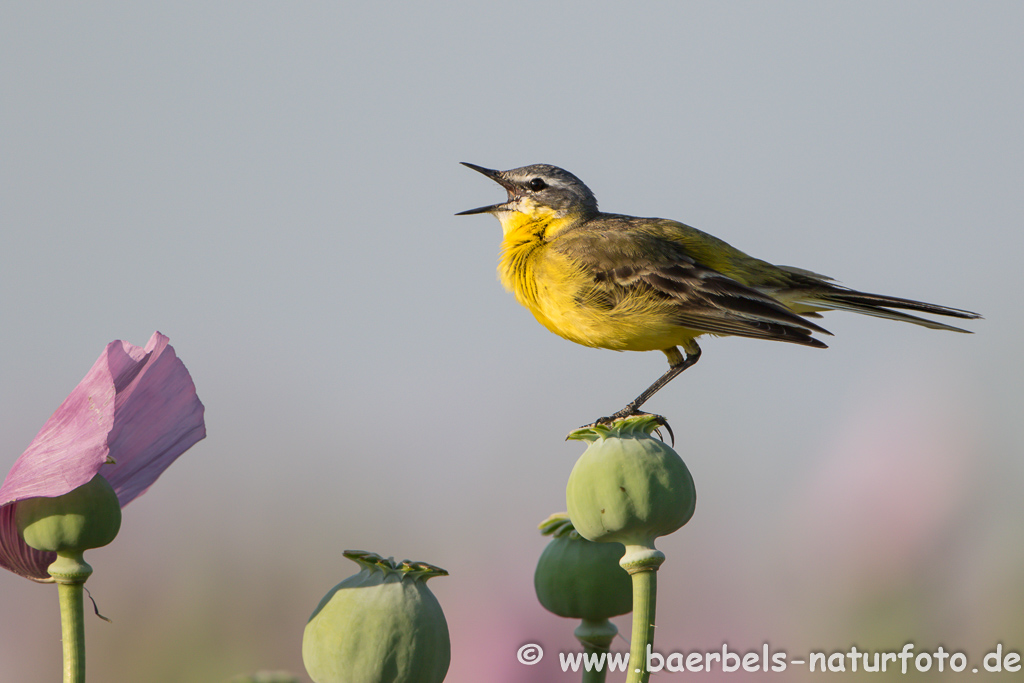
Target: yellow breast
{"x": 565, "y": 298}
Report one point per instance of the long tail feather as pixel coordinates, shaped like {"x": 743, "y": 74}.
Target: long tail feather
{"x": 881, "y": 306}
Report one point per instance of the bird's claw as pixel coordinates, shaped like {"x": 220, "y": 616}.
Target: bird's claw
{"x": 660, "y": 419}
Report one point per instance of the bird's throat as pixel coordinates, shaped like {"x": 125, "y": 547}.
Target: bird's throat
{"x": 536, "y": 223}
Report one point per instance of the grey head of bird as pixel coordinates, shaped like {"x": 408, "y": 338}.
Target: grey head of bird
{"x": 539, "y": 185}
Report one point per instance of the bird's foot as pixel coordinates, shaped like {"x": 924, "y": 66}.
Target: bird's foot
{"x": 630, "y": 412}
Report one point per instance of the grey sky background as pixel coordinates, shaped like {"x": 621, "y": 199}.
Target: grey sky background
{"x": 273, "y": 187}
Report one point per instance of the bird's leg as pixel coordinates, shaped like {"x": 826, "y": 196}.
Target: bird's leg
{"x": 676, "y": 364}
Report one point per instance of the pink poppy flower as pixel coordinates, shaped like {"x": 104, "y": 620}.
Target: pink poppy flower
{"x": 137, "y": 407}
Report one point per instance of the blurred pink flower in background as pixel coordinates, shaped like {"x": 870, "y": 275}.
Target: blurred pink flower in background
{"x": 136, "y": 407}
{"x": 890, "y": 489}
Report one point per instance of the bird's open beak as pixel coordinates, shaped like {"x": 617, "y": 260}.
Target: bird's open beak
{"x": 496, "y": 177}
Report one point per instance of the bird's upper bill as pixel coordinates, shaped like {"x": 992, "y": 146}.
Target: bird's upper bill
{"x": 496, "y": 177}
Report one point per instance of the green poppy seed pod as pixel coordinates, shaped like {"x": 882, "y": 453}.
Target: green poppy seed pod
{"x": 580, "y": 579}
{"x": 628, "y": 486}
{"x": 382, "y": 625}
{"x": 84, "y": 518}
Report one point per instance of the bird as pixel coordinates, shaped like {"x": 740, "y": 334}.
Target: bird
{"x": 627, "y": 283}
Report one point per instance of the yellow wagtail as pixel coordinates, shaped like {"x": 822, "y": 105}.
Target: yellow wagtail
{"x": 645, "y": 284}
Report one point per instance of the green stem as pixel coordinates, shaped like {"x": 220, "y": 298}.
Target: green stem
{"x": 596, "y": 636}
{"x": 70, "y": 571}
{"x": 642, "y": 563}
{"x": 72, "y": 630}
{"x": 645, "y": 590}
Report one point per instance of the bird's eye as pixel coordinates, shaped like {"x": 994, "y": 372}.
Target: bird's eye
{"x": 537, "y": 184}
